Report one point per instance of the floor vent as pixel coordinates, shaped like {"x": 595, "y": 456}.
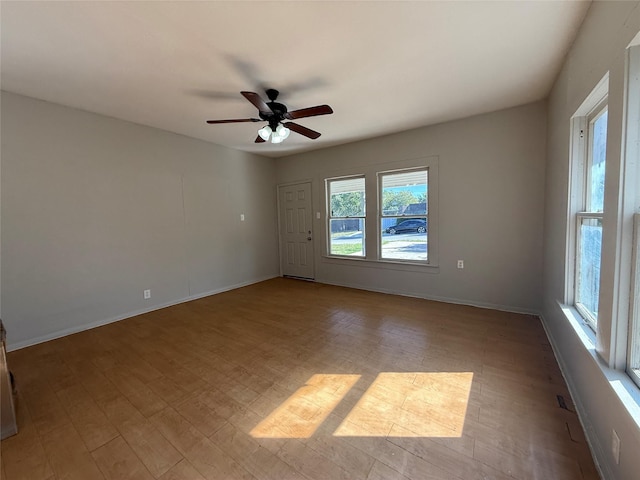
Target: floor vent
{"x": 561, "y": 402}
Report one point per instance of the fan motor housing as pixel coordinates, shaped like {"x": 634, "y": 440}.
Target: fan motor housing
{"x": 278, "y": 111}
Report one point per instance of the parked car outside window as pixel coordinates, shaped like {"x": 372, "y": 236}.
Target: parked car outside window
{"x": 418, "y": 225}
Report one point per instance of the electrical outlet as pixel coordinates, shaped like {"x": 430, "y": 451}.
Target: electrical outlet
{"x": 615, "y": 446}
{"x": 147, "y": 294}
{"x": 242, "y": 217}
{"x": 460, "y": 263}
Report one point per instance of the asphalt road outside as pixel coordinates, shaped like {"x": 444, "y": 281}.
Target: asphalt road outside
{"x": 402, "y": 246}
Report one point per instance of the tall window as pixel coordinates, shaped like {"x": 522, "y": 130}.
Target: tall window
{"x": 588, "y": 167}
{"x": 589, "y": 249}
{"x": 346, "y": 209}
{"x": 632, "y": 197}
{"x": 403, "y": 215}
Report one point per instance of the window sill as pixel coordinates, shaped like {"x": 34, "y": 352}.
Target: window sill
{"x": 583, "y": 330}
{"x": 619, "y": 381}
{"x": 384, "y": 264}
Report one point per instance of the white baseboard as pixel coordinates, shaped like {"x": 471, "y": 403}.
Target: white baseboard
{"x": 435, "y": 298}
{"x": 98, "y": 323}
{"x": 593, "y": 441}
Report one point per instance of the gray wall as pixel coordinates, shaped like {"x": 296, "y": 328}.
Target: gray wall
{"x": 95, "y": 210}
{"x": 596, "y": 388}
{"x": 491, "y": 201}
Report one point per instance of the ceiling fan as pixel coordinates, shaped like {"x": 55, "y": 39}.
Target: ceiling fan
{"x": 275, "y": 114}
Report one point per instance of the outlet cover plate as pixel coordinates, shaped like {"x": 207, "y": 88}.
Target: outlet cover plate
{"x": 615, "y": 446}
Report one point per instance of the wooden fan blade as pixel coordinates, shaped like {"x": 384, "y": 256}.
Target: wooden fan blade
{"x": 237, "y": 120}
{"x": 259, "y": 139}
{"x": 307, "y": 132}
{"x": 257, "y": 101}
{"x": 309, "y": 112}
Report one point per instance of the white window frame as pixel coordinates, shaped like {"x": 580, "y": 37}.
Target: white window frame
{"x": 631, "y": 204}
{"x": 381, "y": 214}
{"x": 372, "y": 228}
{"x": 633, "y": 359}
{"x": 331, "y": 217}
{"x": 580, "y": 160}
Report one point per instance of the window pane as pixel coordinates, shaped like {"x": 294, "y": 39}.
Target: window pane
{"x": 346, "y": 198}
{"x": 598, "y": 156}
{"x": 634, "y": 354}
{"x": 404, "y": 238}
{"x": 588, "y": 274}
{"x": 346, "y": 237}
{"x": 404, "y": 193}
{"x": 633, "y": 365}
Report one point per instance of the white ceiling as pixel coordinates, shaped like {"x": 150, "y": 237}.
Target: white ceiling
{"x": 384, "y": 67}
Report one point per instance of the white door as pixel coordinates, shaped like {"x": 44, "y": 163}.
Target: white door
{"x": 296, "y": 234}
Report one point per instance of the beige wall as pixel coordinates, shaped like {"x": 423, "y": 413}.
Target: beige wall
{"x": 491, "y": 202}
{"x": 96, "y": 210}
{"x": 596, "y": 388}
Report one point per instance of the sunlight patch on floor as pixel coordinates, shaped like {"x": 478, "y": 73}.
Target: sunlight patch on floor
{"x": 408, "y": 404}
{"x": 411, "y": 405}
{"x": 304, "y": 411}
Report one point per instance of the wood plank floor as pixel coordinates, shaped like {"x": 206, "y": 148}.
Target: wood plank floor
{"x": 294, "y": 380}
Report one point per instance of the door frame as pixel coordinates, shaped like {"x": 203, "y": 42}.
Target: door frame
{"x": 313, "y": 241}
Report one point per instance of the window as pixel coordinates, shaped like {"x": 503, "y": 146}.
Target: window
{"x": 403, "y": 215}
{"x": 617, "y": 295}
{"x": 633, "y": 362}
{"x": 590, "y": 219}
{"x": 402, "y": 226}
{"x": 346, "y": 199}
{"x": 632, "y": 200}
{"x": 587, "y": 191}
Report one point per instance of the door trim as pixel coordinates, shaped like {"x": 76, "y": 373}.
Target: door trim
{"x": 313, "y": 259}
